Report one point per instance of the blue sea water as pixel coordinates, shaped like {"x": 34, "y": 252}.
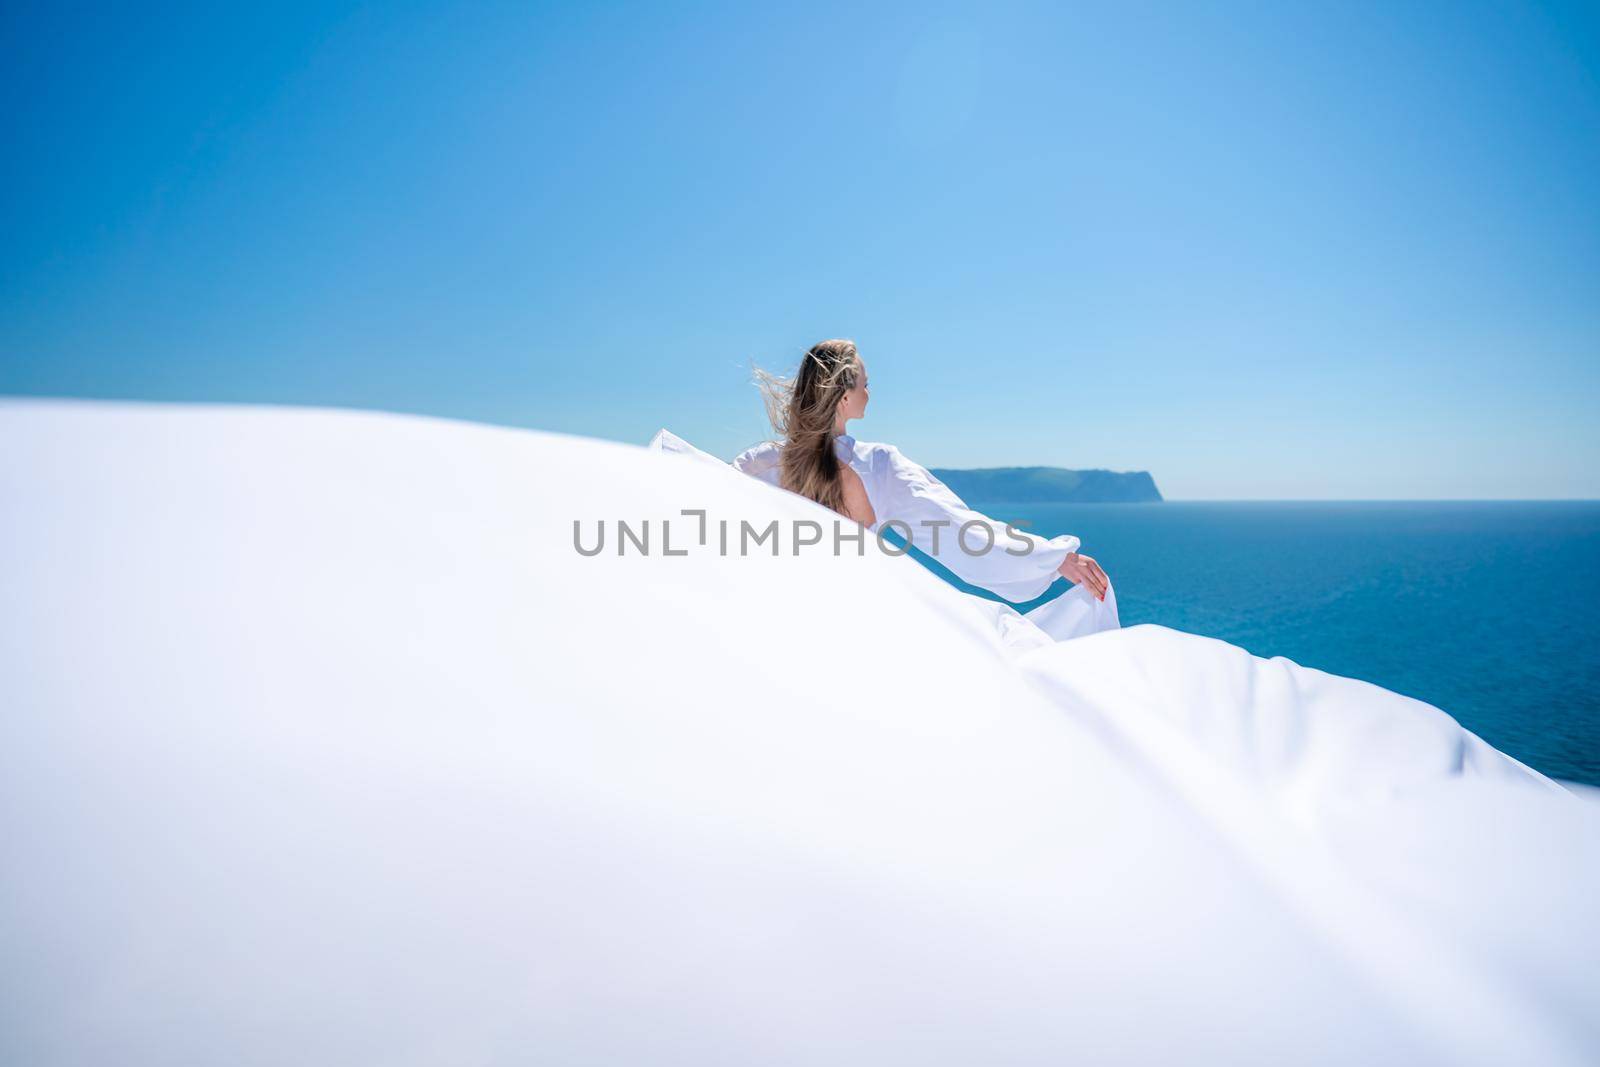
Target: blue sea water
{"x": 1488, "y": 610}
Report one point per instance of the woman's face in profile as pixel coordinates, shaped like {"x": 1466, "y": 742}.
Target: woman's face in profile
{"x": 854, "y": 403}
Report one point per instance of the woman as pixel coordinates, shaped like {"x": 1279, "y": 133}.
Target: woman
{"x": 874, "y": 484}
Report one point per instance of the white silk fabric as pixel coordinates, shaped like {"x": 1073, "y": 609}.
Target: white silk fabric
{"x": 333, "y": 737}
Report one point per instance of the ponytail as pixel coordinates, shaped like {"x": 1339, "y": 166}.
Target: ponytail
{"x": 802, "y": 411}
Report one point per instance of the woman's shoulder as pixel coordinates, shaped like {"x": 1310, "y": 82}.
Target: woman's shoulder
{"x": 880, "y": 455}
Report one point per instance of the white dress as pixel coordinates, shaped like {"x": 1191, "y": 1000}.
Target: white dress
{"x": 907, "y": 497}
{"x": 278, "y": 685}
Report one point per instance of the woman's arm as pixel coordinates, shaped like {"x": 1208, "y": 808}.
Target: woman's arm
{"x": 996, "y": 556}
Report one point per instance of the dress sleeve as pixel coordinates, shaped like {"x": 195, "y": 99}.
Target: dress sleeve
{"x": 1012, "y": 563}
{"x": 759, "y": 462}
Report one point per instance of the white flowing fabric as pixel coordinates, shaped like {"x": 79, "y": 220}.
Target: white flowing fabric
{"x": 971, "y": 545}
{"x": 325, "y": 739}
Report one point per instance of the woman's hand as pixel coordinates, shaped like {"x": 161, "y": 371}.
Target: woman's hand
{"x": 1081, "y": 569}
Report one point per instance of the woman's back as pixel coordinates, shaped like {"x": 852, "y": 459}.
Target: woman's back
{"x": 857, "y": 505}
{"x": 764, "y": 461}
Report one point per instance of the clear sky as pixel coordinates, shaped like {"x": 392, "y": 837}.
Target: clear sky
{"x": 1261, "y": 250}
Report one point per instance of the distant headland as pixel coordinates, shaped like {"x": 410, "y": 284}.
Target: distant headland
{"x": 1051, "y": 485}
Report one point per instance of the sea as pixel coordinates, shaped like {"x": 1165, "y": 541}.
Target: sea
{"x": 1489, "y": 610}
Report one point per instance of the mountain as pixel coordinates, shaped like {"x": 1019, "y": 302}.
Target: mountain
{"x": 1051, "y": 485}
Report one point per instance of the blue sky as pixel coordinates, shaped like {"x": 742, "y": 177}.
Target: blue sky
{"x": 1261, "y": 250}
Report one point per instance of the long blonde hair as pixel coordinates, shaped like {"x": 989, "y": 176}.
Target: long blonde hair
{"x": 802, "y": 410}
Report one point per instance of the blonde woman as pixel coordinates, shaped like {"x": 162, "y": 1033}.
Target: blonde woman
{"x": 875, "y": 484}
